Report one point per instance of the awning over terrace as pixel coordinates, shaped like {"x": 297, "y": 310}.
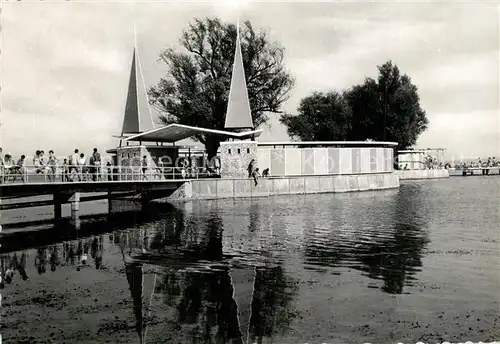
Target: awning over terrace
{"x": 177, "y": 132}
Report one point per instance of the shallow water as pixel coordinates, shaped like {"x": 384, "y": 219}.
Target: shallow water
{"x": 416, "y": 264}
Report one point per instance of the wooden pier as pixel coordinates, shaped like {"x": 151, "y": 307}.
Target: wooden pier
{"x": 475, "y": 171}
{"x": 76, "y": 192}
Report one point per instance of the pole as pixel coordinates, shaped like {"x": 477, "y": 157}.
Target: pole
{"x": 385, "y": 111}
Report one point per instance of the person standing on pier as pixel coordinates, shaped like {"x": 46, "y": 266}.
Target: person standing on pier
{"x": 21, "y": 163}
{"x": 82, "y": 168}
{"x": 36, "y": 162}
{"x": 96, "y": 162}
{"x": 65, "y": 171}
{"x": 144, "y": 166}
{"x": 52, "y": 166}
{"x": 73, "y": 165}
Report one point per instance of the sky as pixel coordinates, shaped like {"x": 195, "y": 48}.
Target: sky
{"x": 65, "y": 65}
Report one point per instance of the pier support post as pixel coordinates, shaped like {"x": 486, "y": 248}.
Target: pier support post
{"x": 110, "y": 206}
{"x": 75, "y": 209}
{"x": 57, "y": 206}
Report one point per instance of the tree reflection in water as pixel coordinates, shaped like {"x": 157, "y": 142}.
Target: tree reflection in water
{"x": 385, "y": 247}
{"x": 398, "y": 258}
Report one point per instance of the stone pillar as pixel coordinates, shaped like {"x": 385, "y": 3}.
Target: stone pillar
{"x": 235, "y": 156}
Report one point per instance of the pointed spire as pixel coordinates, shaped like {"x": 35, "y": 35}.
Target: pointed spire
{"x": 138, "y": 117}
{"x": 238, "y": 115}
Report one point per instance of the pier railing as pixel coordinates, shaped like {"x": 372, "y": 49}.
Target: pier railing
{"x": 98, "y": 173}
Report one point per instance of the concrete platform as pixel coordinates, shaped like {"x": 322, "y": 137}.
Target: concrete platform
{"x": 422, "y": 174}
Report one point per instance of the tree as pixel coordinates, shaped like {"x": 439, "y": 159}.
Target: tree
{"x": 322, "y": 117}
{"x": 363, "y": 99}
{"x": 195, "y": 89}
{"x": 385, "y": 109}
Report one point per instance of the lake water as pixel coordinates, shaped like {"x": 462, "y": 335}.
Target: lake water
{"x": 416, "y": 264}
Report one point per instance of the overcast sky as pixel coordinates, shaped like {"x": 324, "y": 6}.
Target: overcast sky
{"x": 66, "y": 64}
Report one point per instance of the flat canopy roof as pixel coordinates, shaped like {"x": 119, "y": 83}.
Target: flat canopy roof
{"x": 178, "y": 132}
{"x": 327, "y": 143}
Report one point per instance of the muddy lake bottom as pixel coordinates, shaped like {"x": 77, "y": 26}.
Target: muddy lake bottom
{"x": 416, "y": 264}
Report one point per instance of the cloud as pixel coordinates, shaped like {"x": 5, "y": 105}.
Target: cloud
{"x": 66, "y": 65}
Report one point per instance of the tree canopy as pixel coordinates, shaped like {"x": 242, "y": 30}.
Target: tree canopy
{"x": 195, "y": 89}
{"x": 386, "y": 109}
{"x": 315, "y": 120}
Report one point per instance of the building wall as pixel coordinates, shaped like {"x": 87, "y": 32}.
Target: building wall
{"x": 412, "y": 161}
{"x": 325, "y": 161}
{"x": 128, "y": 159}
{"x": 235, "y": 156}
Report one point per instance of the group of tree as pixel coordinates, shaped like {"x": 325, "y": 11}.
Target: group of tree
{"x": 385, "y": 109}
{"x": 195, "y": 91}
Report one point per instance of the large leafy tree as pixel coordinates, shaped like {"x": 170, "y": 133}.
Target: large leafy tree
{"x": 196, "y": 87}
{"x": 383, "y": 109}
{"x": 322, "y": 117}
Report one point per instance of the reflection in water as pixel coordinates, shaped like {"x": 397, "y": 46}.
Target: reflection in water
{"x": 386, "y": 242}
{"x": 230, "y": 272}
{"x": 9, "y": 265}
{"x": 272, "y": 310}
{"x": 134, "y": 274}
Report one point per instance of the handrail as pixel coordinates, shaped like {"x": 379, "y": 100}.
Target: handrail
{"x": 97, "y": 173}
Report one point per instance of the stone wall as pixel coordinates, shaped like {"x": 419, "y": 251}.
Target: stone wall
{"x": 245, "y": 187}
{"x": 293, "y": 161}
{"x": 128, "y": 159}
{"x": 235, "y": 157}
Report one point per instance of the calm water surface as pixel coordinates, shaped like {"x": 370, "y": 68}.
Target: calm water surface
{"x": 418, "y": 263}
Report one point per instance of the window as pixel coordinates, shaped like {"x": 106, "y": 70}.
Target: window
{"x": 229, "y": 151}
{"x": 248, "y": 150}
{"x": 239, "y": 151}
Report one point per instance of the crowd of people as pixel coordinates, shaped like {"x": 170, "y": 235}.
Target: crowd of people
{"x": 490, "y": 162}
{"x": 75, "y": 167}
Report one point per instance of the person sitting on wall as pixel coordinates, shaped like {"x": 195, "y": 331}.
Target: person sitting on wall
{"x": 265, "y": 173}
{"x": 250, "y": 168}
{"x": 255, "y": 175}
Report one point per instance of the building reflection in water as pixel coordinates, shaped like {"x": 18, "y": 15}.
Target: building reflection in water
{"x": 213, "y": 300}
{"x": 200, "y": 284}
{"x": 272, "y": 303}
